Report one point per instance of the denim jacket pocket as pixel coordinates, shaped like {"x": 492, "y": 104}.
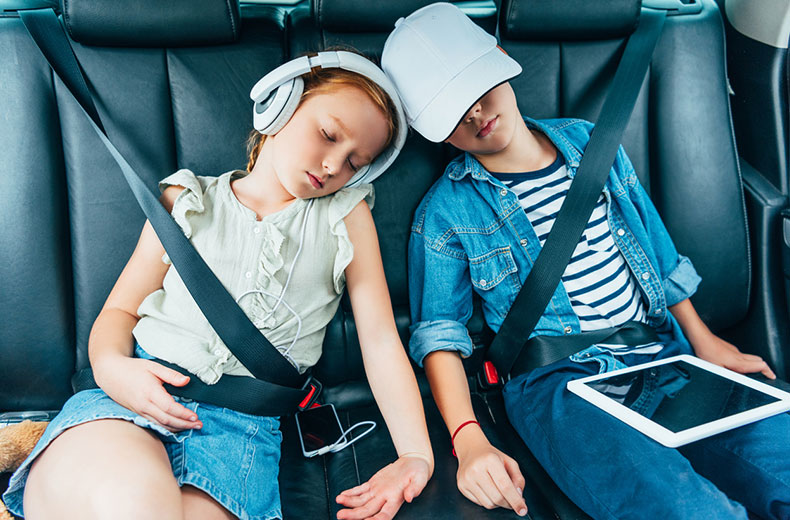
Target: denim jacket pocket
{"x": 489, "y": 269}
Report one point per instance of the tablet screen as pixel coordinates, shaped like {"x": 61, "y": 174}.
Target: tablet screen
{"x": 679, "y": 395}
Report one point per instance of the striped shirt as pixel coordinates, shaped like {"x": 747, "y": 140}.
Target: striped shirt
{"x": 600, "y": 285}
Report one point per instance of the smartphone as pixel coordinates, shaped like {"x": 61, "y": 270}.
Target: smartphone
{"x": 318, "y": 428}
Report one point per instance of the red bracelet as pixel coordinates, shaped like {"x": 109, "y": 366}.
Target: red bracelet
{"x": 452, "y": 439}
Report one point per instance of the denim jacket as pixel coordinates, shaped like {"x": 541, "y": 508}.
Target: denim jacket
{"x": 470, "y": 233}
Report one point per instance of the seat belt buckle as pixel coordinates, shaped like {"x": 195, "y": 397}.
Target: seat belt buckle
{"x": 488, "y": 376}
{"x": 315, "y": 387}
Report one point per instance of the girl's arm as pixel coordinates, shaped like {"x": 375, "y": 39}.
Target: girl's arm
{"x": 712, "y": 348}
{"x": 132, "y": 382}
{"x": 391, "y": 379}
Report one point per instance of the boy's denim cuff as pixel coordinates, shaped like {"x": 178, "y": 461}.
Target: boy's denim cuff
{"x": 430, "y": 336}
{"x": 682, "y": 282}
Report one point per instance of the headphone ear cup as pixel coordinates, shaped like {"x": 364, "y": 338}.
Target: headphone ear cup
{"x": 293, "y": 94}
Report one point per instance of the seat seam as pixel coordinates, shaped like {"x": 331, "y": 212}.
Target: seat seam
{"x": 233, "y": 32}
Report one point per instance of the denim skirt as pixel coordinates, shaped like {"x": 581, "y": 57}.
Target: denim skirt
{"x": 234, "y": 458}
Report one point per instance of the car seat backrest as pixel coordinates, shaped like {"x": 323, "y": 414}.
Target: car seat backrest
{"x": 679, "y": 136}
{"x": 364, "y": 26}
{"x": 72, "y": 222}
{"x": 36, "y": 310}
{"x": 164, "y": 107}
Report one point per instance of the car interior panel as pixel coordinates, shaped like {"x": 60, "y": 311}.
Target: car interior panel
{"x": 171, "y": 82}
{"x": 757, "y": 72}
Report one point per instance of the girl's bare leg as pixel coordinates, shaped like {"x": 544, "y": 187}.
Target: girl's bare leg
{"x": 106, "y": 469}
{"x": 199, "y": 506}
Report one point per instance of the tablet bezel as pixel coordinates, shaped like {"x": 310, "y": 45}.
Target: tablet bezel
{"x": 675, "y": 439}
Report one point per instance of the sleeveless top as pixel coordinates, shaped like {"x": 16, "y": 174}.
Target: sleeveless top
{"x": 252, "y": 258}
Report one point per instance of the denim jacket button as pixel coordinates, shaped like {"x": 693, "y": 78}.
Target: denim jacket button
{"x": 483, "y": 283}
{"x": 503, "y": 192}
{"x": 659, "y": 311}
{"x": 524, "y": 242}
{"x": 568, "y": 329}
{"x": 620, "y": 232}
{"x": 645, "y": 276}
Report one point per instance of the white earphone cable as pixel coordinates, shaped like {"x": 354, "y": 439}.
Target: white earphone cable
{"x": 341, "y": 443}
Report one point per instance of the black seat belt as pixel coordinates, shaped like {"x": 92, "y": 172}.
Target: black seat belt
{"x": 278, "y": 387}
{"x": 580, "y": 201}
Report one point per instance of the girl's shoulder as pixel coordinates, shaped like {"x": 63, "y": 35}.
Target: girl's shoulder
{"x": 338, "y": 206}
{"x": 192, "y": 195}
{"x": 343, "y": 201}
{"x": 198, "y": 184}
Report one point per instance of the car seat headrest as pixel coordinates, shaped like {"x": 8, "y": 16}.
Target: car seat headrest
{"x": 568, "y": 20}
{"x": 362, "y": 15}
{"x": 152, "y": 23}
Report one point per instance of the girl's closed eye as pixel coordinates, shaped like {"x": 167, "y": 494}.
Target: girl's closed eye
{"x": 331, "y": 138}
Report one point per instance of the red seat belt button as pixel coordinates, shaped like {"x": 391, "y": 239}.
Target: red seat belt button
{"x": 306, "y": 401}
{"x": 492, "y": 376}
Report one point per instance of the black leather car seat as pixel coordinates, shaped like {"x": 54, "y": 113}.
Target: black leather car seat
{"x": 174, "y": 93}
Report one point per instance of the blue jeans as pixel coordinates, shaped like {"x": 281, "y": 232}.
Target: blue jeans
{"x": 612, "y": 471}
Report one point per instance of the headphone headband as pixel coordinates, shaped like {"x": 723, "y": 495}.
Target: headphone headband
{"x": 269, "y": 98}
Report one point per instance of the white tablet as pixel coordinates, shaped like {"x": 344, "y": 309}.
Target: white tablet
{"x": 681, "y": 399}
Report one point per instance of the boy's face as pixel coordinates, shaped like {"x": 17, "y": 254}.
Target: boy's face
{"x": 488, "y": 127}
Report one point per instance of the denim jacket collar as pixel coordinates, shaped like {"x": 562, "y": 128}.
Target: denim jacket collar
{"x": 470, "y": 165}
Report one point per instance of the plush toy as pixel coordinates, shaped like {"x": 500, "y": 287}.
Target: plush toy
{"x": 16, "y": 443}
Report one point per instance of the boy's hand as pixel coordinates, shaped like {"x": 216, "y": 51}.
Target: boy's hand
{"x": 381, "y": 497}
{"x": 486, "y": 476}
{"x": 714, "y": 349}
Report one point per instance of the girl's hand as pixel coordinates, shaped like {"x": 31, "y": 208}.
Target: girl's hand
{"x": 714, "y": 349}
{"x": 486, "y": 476}
{"x": 381, "y": 497}
{"x": 136, "y": 384}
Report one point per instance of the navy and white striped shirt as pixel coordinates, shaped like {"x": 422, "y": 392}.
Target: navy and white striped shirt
{"x": 597, "y": 279}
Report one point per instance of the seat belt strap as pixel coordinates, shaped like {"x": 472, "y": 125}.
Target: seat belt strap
{"x": 594, "y": 168}
{"x": 540, "y": 351}
{"x": 230, "y": 322}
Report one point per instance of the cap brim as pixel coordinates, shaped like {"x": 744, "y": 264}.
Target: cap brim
{"x": 440, "y": 117}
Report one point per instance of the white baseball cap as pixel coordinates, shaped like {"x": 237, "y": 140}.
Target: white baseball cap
{"x": 441, "y": 63}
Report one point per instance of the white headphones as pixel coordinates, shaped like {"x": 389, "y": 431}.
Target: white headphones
{"x": 277, "y": 94}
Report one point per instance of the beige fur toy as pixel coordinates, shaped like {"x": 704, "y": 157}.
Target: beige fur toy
{"x": 16, "y": 443}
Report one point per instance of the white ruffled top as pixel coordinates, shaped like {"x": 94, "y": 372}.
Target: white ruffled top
{"x": 251, "y": 257}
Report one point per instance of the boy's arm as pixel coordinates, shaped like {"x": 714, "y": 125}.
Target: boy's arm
{"x": 440, "y": 290}
{"x": 712, "y": 348}
{"x": 391, "y": 379}
{"x": 485, "y": 476}
{"x": 680, "y": 280}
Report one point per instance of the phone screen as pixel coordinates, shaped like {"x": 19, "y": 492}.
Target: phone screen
{"x": 318, "y": 427}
